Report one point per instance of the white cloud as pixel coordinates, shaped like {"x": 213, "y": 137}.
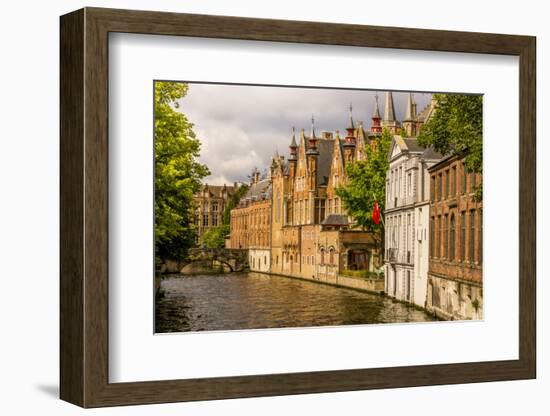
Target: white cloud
{"x": 240, "y": 127}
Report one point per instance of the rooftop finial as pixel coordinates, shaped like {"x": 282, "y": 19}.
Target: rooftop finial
{"x": 350, "y": 120}
{"x": 376, "y": 112}
{"x": 312, "y": 127}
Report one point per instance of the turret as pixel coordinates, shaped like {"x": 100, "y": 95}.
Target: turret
{"x": 311, "y": 156}
{"x": 350, "y": 142}
{"x": 312, "y": 140}
{"x": 376, "y": 128}
{"x": 292, "y": 159}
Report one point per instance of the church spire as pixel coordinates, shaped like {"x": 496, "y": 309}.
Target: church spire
{"x": 410, "y": 110}
{"x": 389, "y": 108}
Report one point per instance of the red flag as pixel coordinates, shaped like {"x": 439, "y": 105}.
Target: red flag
{"x": 376, "y": 213}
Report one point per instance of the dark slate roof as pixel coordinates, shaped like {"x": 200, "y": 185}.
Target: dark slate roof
{"x": 431, "y": 154}
{"x": 258, "y": 191}
{"x": 412, "y": 145}
{"x": 336, "y": 219}
{"x": 324, "y": 161}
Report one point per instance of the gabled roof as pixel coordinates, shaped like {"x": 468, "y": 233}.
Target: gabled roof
{"x": 427, "y": 112}
{"x": 258, "y": 191}
{"x": 404, "y": 145}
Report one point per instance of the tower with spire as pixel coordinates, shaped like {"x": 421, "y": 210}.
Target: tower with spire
{"x": 389, "y": 121}
{"x": 350, "y": 140}
{"x": 311, "y": 154}
{"x": 293, "y": 157}
{"x": 376, "y": 127}
{"x": 410, "y": 120}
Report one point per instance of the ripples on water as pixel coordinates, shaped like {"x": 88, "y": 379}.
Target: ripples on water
{"x": 253, "y": 300}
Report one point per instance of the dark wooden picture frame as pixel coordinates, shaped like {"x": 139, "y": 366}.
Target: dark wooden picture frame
{"x": 84, "y": 207}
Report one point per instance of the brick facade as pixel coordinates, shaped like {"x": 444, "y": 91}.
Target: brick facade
{"x": 456, "y": 224}
{"x": 210, "y": 203}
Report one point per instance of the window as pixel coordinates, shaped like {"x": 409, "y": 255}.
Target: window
{"x": 440, "y": 245}
{"x": 205, "y": 220}
{"x": 453, "y": 180}
{"x": 445, "y": 237}
{"x": 265, "y": 259}
{"x": 472, "y": 181}
{"x": 463, "y": 236}
{"x": 432, "y": 236}
{"x": 214, "y": 207}
{"x": 322, "y": 256}
{"x": 452, "y": 239}
{"x": 463, "y": 179}
{"x": 214, "y": 219}
{"x": 472, "y": 236}
{"x": 447, "y": 180}
{"x": 409, "y": 188}
{"x": 440, "y": 187}
{"x": 312, "y": 260}
{"x": 432, "y": 189}
{"x": 331, "y": 256}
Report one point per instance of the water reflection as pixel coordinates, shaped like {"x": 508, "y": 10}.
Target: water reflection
{"x": 253, "y": 300}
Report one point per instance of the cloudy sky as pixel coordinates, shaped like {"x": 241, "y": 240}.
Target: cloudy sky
{"x": 241, "y": 127}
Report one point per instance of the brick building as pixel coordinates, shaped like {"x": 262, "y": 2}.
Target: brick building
{"x": 251, "y": 223}
{"x": 210, "y": 203}
{"x": 311, "y": 234}
{"x": 455, "y": 289}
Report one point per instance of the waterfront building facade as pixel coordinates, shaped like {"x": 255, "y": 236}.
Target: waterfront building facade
{"x": 251, "y": 223}
{"x": 210, "y": 203}
{"x": 407, "y": 210}
{"x": 407, "y": 220}
{"x": 311, "y": 234}
{"x": 455, "y": 284}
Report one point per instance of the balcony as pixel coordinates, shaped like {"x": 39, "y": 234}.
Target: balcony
{"x": 394, "y": 255}
{"x": 391, "y": 255}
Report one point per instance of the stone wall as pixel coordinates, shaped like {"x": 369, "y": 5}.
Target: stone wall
{"x": 452, "y": 299}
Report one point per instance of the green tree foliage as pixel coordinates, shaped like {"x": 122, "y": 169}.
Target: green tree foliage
{"x": 214, "y": 237}
{"x": 177, "y": 173}
{"x": 235, "y": 198}
{"x": 456, "y": 127}
{"x": 366, "y": 183}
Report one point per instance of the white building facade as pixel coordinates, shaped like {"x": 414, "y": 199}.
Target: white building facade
{"x": 407, "y": 220}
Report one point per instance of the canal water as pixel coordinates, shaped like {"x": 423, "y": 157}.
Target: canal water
{"x": 254, "y": 300}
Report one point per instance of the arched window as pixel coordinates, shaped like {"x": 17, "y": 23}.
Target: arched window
{"x": 322, "y": 256}
{"x": 331, "y": 256}
{"x": 452, "y": 239}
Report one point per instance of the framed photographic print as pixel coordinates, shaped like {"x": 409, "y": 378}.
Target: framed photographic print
{"x": 255, "y": 207}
